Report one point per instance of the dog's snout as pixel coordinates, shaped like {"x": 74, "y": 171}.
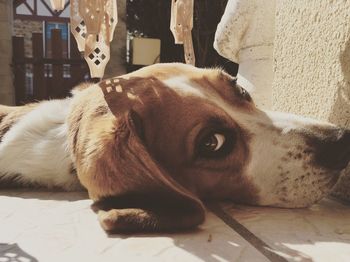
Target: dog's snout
{"x": 333, "y": 151}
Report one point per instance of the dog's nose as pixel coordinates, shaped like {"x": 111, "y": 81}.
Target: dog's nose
{"x": 333, "y": 152}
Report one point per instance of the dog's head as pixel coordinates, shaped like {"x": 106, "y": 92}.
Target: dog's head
{"x": 150, "y": 144}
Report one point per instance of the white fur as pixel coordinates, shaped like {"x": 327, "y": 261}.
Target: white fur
{"x": 185, "y": 86}
{"x": 36, "y": 147}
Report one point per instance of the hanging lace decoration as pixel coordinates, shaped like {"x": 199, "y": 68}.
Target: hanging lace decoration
{"x": 93, "y": 23}
{"x": 181, "y": 24}
{"x": 58, "y": 5}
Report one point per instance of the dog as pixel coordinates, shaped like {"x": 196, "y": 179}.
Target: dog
{"x": 151, "y": 145}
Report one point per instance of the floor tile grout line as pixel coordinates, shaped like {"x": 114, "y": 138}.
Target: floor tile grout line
{"x": 255, "y": 241}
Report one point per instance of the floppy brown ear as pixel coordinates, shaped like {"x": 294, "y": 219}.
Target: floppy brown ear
{"x": 132, "y": 192}
{"x": 151, "y": 200}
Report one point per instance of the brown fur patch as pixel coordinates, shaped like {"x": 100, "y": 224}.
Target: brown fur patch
{"x": 10, "y": 115}
{"x": 112, "y": 161}
{"x": 12, "y": 181}
{"x": 116, "y": 163}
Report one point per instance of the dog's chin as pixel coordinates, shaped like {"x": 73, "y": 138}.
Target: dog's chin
{"x": 299, "y": 190}
{"x": 296, "y": 205}
{"x": 295, "y": 201}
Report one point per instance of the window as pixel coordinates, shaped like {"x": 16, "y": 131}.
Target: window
{"x": 65, "y": 38}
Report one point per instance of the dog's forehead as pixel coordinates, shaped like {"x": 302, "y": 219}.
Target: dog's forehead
{"x": 177, "y": 83}
{"x": 185, "y": 86}
{"x": 185, "y": 79}
{"x": 212, "y": 85}
{"x": 203, "y": 84}
{"x": 164, "y": 71}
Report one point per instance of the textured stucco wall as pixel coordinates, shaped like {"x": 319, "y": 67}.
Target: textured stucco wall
{"x": 312, "y": 66}
{"x": 312, "y": 61}
{"x": 6, "y": 85}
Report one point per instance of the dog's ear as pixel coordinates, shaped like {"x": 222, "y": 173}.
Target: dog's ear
{"x": 132, "y": 192}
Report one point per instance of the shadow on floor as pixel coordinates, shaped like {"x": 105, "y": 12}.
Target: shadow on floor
{"x": 273, "y": 234}
{"x": 283, "y": 231}
{"x": 13, "y": 253}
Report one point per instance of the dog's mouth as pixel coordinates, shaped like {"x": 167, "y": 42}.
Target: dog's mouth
{"x": 304, "y": 191}
{"x": 298, "y": 182}
{"x": 312, "y": 157}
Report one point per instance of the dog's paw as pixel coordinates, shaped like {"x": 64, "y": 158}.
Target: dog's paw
{"x": 127, "y": 220}
{"x": 131, "y": 220}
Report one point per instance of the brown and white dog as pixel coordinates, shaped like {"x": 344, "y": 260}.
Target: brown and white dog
{"x": 149, "y": 145}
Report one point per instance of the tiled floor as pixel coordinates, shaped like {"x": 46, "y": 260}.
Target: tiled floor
{"x": 320, "y": 233}
{"x": 39, "y": 226}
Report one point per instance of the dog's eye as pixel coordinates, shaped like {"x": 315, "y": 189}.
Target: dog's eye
{"x": 244, "y": 94}
{"x": 240, "y": 91}
{"x": 215, "y": 144}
